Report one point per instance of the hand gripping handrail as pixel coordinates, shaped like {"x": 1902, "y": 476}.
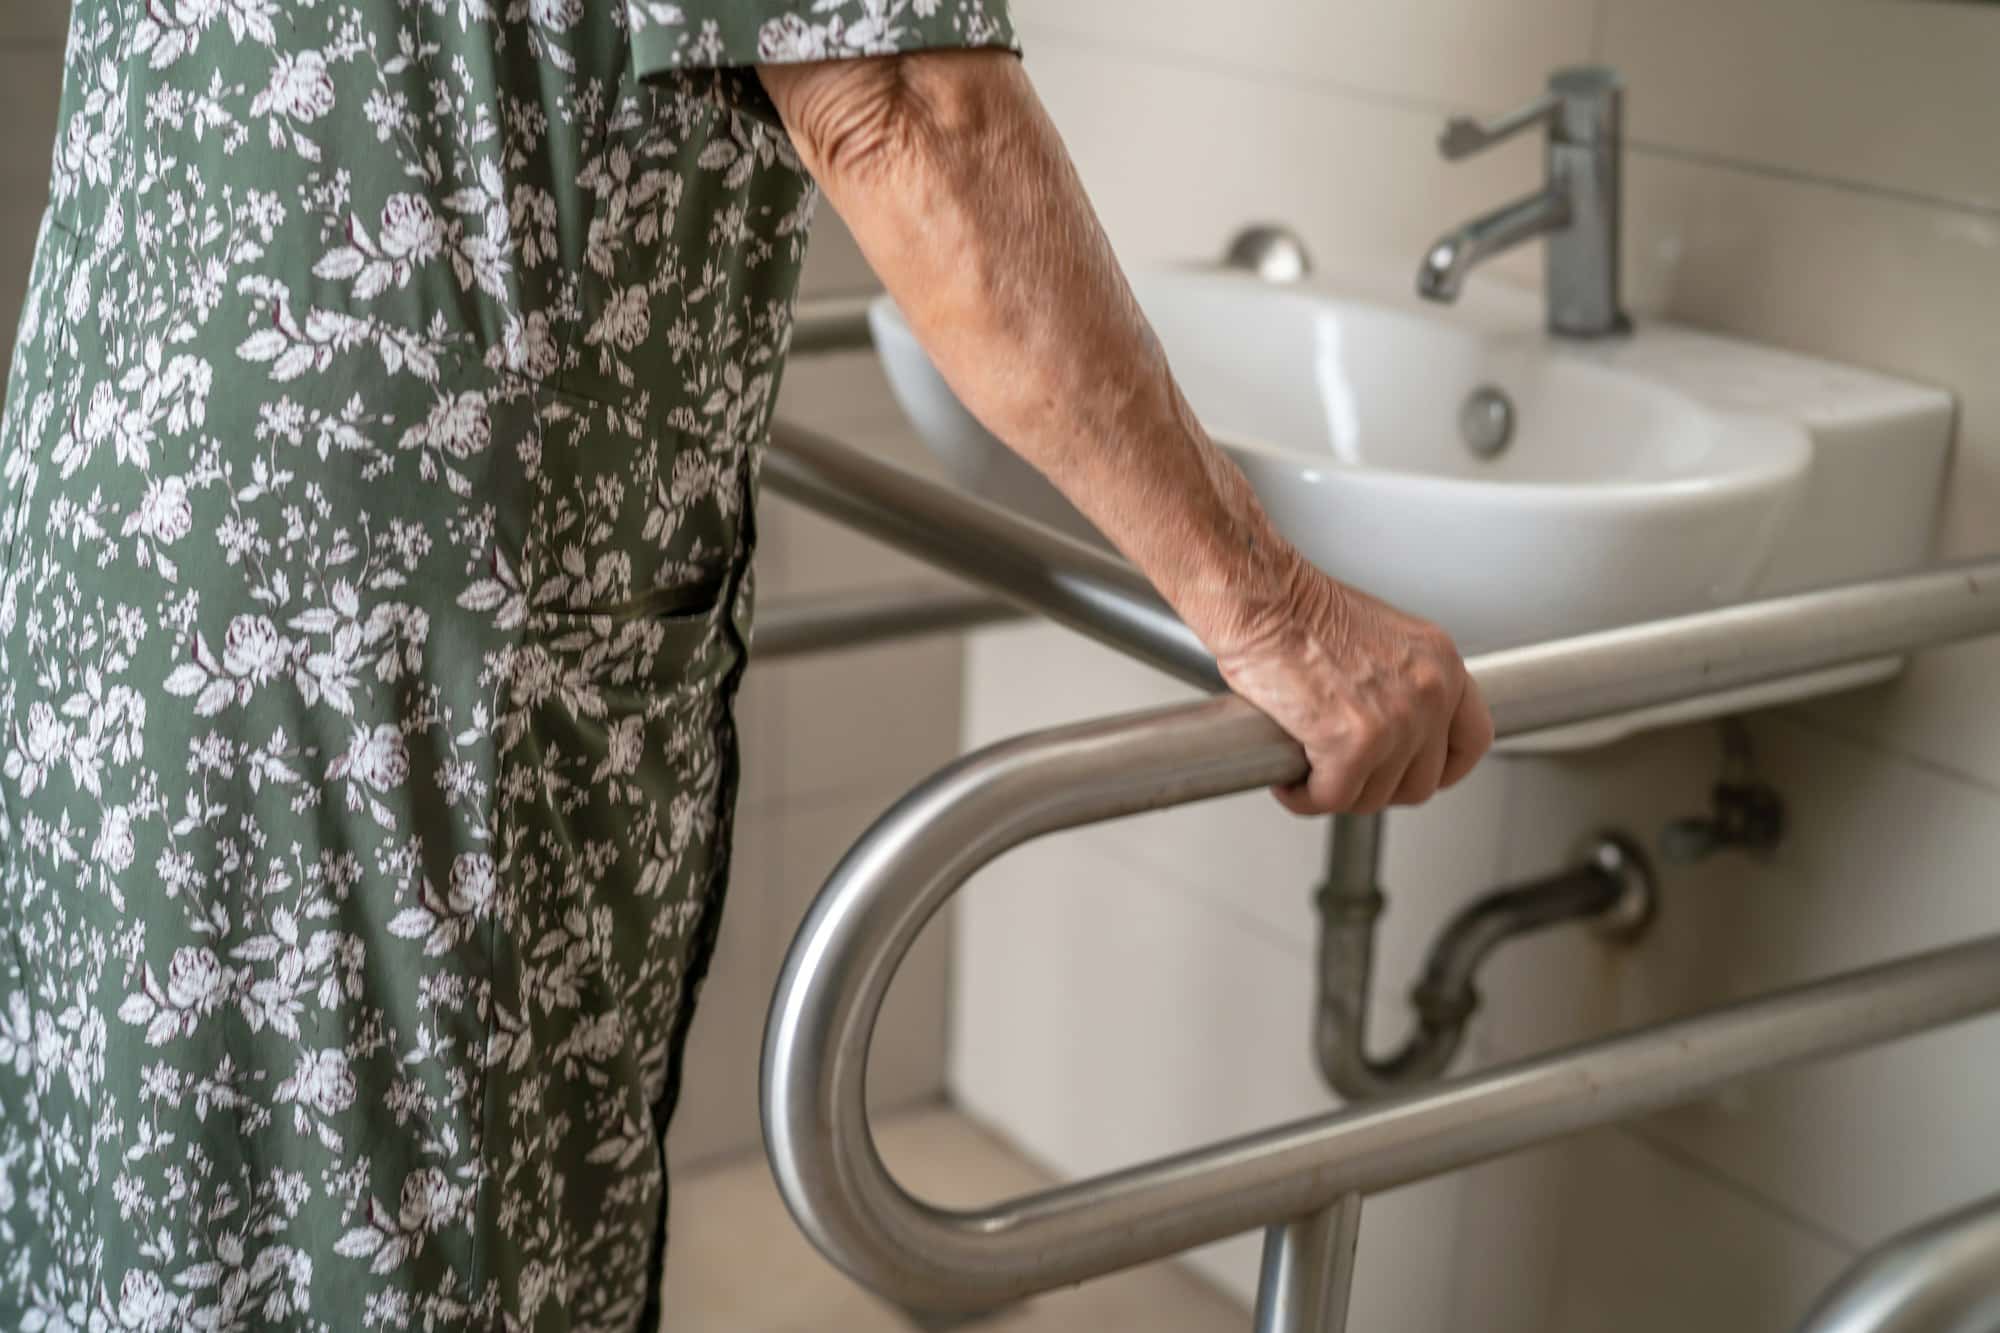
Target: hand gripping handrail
{"x": 930, "y": 843}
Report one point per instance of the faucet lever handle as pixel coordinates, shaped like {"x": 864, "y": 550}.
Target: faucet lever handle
{"x": 1463, "y": 135}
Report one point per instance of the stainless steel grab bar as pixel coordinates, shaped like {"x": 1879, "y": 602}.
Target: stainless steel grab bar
{"x": 832, "y": 324}
{"x": 800, "y": 626}
{"x": 1942, "y": 1276}
{"x": 1079, "y": 586}
{"x": 930, "y": 843}
{"x": 931, "y": 1258}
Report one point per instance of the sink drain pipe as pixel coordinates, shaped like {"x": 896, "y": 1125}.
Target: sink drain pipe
{"x": 1610, "y": 885}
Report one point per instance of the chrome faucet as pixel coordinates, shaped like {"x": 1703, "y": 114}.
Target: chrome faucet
{"x": 1578, "y": 210}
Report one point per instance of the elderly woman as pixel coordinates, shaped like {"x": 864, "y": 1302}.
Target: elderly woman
{"x": 379, "y": 497}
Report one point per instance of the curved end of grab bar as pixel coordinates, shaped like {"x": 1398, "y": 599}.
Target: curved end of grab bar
{"x": 920, "y": 853}
{"x": 878, "y": 900}
{"x": 1937, "y": 1277}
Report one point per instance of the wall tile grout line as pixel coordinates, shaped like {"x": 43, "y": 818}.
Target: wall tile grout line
{"x": 1743, "y": 1190}
{"x": 1791, "y": 175}
{"x": 1168, "y": 58}
{"x": 1878, "y": 748}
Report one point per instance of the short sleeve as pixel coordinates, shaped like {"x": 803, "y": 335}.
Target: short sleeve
{"x": 686, "y": 36}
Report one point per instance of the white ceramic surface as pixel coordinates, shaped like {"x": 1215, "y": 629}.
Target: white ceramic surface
{"x": 1650, "y": 476}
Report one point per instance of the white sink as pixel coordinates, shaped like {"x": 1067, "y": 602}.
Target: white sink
{"x": 1646, "y": 476}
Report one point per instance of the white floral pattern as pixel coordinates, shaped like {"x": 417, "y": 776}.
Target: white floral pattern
{"x": 376, "y": 490}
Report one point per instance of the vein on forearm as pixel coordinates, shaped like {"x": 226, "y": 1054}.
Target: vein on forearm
{"x": 962, "y": 197}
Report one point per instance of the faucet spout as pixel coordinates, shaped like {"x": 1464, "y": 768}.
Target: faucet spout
{"x": 1578, "y": 208}
{"x": 1447, "y": 262}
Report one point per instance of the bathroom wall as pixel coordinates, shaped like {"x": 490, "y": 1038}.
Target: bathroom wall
{"x": 828, "y": 742}
{"x": 31, "y": 38}
{"x": 1814, "y": 175}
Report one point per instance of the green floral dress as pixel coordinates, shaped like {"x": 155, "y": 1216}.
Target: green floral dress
{"x": 376, "y": 492}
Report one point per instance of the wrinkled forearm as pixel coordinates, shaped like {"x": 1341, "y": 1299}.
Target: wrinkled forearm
{"x": 963, "y": 199}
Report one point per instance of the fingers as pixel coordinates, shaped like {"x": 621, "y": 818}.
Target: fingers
{"x": 1298, "y": 799}
{"x": 1380, "y": 789}
{"x": 1335, "y": 785}
{"x": 1344, "y": 784}
{"x": 1410, "y": 780}
{"x": 1381, "y": 702}
{"x": 1425, "y": 775}
{"x": 1471, "y": 735}
{"x": 1401, "y": 768}
{"x": 1423, "y": 740}
{"x": 1334, "y": 790}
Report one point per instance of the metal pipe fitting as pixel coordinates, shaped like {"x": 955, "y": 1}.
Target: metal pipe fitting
{"x": 1308, "y": 1271}
{"x": 855, "y": 620}
{"x": 1270, "y": 252}
{"x": 1611, "y": 885}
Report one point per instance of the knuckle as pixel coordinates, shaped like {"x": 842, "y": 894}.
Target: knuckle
{"x": 1337, "y": 776}
{"x": 1432, "y": 685}
{"x": 1359, "y": 739}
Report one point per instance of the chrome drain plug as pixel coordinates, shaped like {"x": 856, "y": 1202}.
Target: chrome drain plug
{"x": 1486, "y": 421}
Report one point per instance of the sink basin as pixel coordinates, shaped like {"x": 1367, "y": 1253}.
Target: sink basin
{"x": 1646, "y": 476}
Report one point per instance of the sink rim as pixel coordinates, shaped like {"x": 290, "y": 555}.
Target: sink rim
{"x": 1758, "y": 452}
{"x": 1786, "y": 459}
{"x": 1868, "y": 438}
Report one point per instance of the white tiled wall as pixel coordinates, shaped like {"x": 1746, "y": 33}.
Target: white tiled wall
{"x": 1814, "y": 175}
{"x": 828, "y": 742}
